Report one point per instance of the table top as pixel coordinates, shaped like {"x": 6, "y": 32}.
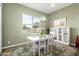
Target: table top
{"x": 34, "y": 38}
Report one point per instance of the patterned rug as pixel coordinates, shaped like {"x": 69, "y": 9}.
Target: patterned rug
{"x": 77, "y": 52}
{"x": 56, "y": 50}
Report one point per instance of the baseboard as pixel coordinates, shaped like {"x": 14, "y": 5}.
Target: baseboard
{"x": 26, "y": 43}
{"x": 73, "y": 44}
{"x": 14, "y": 45}
{"x": 62, "y": 42}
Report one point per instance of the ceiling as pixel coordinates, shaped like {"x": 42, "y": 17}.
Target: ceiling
{"x": 46, "y": 7}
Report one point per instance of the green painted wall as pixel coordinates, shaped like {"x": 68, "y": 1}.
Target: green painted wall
{"x": 12, "y": 27}
{"x": 72, "y": 15}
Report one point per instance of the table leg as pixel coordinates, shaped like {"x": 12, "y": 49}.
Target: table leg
{"x": 34, "y": 48}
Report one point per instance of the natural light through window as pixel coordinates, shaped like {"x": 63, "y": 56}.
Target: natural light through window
{"x": 30, "y": 21}
{"x": 27, "y": 19}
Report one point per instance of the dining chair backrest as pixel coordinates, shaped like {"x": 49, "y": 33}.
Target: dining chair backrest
{"x": 50, "y": 39}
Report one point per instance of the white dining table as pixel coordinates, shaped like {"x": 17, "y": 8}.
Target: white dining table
{"x": 34, "y": 39}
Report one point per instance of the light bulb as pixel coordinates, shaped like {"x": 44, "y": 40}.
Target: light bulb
{"x": 52, "y": 5}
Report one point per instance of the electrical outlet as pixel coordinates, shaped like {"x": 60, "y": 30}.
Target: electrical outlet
{"x": 8, "y": 42}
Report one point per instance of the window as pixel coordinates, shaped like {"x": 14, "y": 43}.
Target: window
{"x": 27, "y": 21}
{"x": 32, "y": 24}
{"x": 36, "y": 22}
